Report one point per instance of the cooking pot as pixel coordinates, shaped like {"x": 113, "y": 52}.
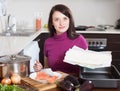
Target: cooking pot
{"x": 14, "y": 64}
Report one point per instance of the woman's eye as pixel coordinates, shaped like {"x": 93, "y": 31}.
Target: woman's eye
{"x": 65, "y": 18}
{"x": 56, "y": 19}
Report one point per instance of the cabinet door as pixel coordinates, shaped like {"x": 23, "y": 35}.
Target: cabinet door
{"x": 95, "y": 35}
{"x": 114, "y": 46}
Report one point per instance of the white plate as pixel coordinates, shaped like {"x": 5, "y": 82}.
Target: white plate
{"x": 47, "y": 71}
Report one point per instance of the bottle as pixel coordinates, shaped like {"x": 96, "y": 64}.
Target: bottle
{"x": 38, "y": 21}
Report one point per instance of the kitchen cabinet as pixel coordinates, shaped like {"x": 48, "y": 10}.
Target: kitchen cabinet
{"x": 113, "y": 44}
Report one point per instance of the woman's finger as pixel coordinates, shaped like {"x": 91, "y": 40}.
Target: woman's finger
{"x": 37, "y": 61}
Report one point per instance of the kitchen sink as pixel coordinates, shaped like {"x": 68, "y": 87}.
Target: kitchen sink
{"x": 19, "y": 33}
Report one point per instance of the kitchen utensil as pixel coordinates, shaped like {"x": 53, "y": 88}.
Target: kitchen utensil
{"x": 81, "y": 27}
{"x": 105, "y": 26}
{"x": 106, "y": 77}
{"x": 14, "y": 64}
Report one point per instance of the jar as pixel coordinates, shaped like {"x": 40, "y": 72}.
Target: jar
{"x": 38, "y": 21}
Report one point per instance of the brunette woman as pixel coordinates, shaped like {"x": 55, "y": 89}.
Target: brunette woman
{"x": 62, "y": 37}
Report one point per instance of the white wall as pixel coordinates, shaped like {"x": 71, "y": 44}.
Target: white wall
{"x": 85, "y": 12}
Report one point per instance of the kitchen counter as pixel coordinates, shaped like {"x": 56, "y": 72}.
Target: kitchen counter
{"x": 8, "y": 45}
{"x": 107, "y": 31}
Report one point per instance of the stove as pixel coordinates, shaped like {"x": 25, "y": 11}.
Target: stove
{"x": 97, "y": 44}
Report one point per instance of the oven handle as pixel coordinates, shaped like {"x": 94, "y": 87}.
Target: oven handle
{"x": 97, "y": 48}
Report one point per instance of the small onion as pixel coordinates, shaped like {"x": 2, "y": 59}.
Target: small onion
{"x": 15, "y": 78}
{"x": 6, "y": 81}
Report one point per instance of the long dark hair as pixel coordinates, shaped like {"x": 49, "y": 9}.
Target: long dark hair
{"x": 67, "y": 12}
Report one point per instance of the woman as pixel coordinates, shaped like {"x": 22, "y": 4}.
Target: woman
{"x": 62, "y": 37}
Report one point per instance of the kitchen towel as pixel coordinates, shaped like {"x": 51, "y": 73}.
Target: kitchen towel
{"x": 32, "y": 50}
{"x": 88, "y": 58}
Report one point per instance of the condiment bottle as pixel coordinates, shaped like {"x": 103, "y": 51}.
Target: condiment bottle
{"x": 38, "y": 21}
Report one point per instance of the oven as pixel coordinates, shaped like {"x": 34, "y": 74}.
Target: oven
{"x": 105, "y": 77}
{"x": 97, "y": 44}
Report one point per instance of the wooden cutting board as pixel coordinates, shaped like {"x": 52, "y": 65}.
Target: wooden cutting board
{"x": 40, "y": 86}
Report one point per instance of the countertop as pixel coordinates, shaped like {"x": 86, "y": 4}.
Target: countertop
{"x": 8, "y": 46}
{"x": 107, "y": 31}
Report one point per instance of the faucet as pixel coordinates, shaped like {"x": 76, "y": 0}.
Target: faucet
{"x": 10, "y": 28}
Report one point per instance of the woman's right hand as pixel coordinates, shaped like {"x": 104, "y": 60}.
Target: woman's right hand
{"x": 37, "y": 66}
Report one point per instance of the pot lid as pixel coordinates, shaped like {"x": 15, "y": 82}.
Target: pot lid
{"x": 14, "y": 58}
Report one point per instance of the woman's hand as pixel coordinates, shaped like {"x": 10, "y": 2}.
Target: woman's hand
{"x": 37, "y": 66}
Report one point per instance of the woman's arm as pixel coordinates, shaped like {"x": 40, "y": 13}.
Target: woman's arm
{"x": 46, "y": 62}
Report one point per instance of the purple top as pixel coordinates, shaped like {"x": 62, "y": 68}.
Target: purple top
{"x": 55, "y": 49}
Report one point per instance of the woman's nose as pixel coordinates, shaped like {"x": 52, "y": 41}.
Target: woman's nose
{"x": 61, "y": 22}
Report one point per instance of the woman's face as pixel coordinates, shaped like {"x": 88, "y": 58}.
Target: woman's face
{"x": 60, "y": 22}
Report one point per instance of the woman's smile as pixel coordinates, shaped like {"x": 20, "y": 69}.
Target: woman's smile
{"x": 61, "y": 27}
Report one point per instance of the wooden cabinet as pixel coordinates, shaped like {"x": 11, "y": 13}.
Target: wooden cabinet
{"x": 114, "y": 46}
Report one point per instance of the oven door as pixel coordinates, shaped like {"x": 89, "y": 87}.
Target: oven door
{"x": 97, "y": 48}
